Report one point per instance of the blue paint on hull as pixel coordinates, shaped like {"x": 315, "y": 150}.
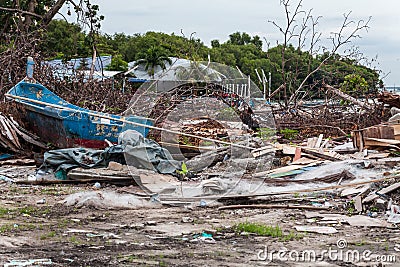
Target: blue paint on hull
{"x": 72, "y": 126}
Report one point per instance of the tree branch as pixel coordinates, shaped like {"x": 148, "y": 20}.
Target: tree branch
{"x": 52, "y": 12}
{"x": 16, "y": 10}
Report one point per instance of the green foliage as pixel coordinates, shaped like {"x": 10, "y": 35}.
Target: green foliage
{"x": 184, "y": 168}
{"x": 152, "y": 58}
{"x": 289, "y": 134}
{"x": 118, "y": 64}
{"x": 12, "y": 22}
{"x": 266, "y": 230}
{"x": 65, "y": 40}
{"x": 354, "y": 84}
{"x": 292, "y": 236}
{"x": 184, "y": 171}
{"x": 48, "y": 235}
{"x": 266, "y": 133}
{"x": 259, "y": 229}
{"x": 242, "y": 50}
{"x": 238, "y": 38}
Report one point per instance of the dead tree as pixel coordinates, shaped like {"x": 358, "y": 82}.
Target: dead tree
{"x": 300, "y": 31}
{"x": 296, "y": 32}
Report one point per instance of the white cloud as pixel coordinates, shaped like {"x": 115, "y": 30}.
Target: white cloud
{"x": 217, "y": 19}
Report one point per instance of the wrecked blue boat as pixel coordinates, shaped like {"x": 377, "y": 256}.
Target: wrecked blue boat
{"x": 63, "y": 124}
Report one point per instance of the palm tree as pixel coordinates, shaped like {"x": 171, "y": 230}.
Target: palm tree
{"x": 153, "y": 57}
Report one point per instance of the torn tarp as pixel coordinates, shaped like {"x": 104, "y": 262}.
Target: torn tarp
{"x": 146, "y": 154}
{"x": 132, "y": 149}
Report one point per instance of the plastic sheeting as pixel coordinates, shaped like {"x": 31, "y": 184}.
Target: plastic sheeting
{"x": 146, "y": 154}
{"x": 132, "y": 149}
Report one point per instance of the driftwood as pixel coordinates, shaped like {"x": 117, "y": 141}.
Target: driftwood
{"x": 348, "y": 97}
{"x": 390, "y": 99}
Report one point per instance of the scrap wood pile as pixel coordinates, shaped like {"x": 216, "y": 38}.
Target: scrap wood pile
{"x": 16, "y": 139}
{"x": 204, "y": 127}
{"x": 390, "y": 99}
{"x": 337, "y": 115}
{"x": 191, "y": 100}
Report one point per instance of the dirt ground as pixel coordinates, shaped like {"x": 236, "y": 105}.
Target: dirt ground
{"x": 34, "y": 224}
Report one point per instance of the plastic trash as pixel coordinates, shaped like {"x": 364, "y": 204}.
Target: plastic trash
{"x": 60, "y": 175}
{"x": 41, "y": 201}
{"x": 6, "y": 179}
{"x": 29, "y": 67}
{"x": 204, "y": 237}
{"x": 204, "y": 234}
{"x": 155, "y": 198}
{"x": 30, "y": 262}
{"x": 394, "y": 216}
{"x": 203, "y": 203}
{"x": 97, "y": 185}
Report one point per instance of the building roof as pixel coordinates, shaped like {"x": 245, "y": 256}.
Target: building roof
{"x": 178, "y": 70}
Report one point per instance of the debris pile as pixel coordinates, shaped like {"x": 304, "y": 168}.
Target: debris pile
{"x": 14, "y": 138}
{"x": 203, "y": 127}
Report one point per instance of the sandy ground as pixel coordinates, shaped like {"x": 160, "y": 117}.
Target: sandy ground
{"x": 34, "y": 224}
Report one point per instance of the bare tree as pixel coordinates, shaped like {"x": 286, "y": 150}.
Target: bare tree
{"x": 302, "y": 26}
{"x": 301, "y": 37}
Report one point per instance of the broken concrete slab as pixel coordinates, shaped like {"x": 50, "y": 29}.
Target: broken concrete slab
{"x": 316, "y": 229}
{"x": 355, "y": 220}
{"x": 108, "y": 200}
{"x": 358, "y": 203}
{"x": 354, "y": 190}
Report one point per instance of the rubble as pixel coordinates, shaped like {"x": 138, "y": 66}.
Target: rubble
{"x": 12, "y": 135}
{"x": 321, "y": 185}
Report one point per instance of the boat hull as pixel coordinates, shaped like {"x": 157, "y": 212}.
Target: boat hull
{"x": 63, "y": 125}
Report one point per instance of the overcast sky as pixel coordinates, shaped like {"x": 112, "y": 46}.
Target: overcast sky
{"x": 216, "y": 19}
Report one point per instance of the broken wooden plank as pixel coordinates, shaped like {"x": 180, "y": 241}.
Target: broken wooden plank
{"x": 369, "y": 141}
{"x": 17, "y": 162}
{"x": 271, "y": 206}
{"x": 385, "y": 190}
{"x": 122, "y": 181}
{"x": 353, "y": 191}
{"x": 285, "y": 169}
{"x": 358, "y": 203}
{"x": 319, "y": 141}
{"x": 320, "y": 155}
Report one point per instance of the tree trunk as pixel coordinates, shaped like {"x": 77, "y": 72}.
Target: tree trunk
{"x": 28, "y": 18}
{"x": 348, "y": 97}
{"x": 51, "y": 13}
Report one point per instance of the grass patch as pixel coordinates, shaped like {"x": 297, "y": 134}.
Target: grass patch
{"x": 62, "y": 223}
{"x": 75, "y": 240}
{"x": 259, "y": 229}
{"x": 266, "y": 230}
{"x": 6, "y": 228}
{"x": 4, "y": 211}
{"x": 292, "y": 236}
{"x": 29, "y": 210}
{"x": 50, "y": 191}
{"x": 48, "y": 235}
{"x": 17, "y": 227}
